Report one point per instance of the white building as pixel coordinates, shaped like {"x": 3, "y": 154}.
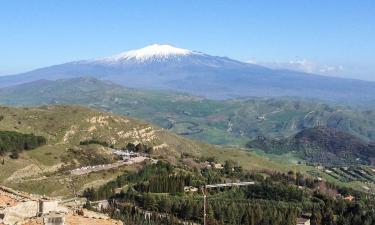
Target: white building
{"x": 46, "y": 206}
{"x": 303, "y": 221}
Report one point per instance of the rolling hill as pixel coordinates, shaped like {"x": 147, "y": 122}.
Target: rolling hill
{"x": 45, "y": 169}
{"x": 64, "y": 127}
{"x": 322, "y": 145}
{"x": 170, "y": 68}
{"x": 226, "y": 122}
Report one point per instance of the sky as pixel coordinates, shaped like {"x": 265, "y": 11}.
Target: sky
{"x": 335, "y": 37}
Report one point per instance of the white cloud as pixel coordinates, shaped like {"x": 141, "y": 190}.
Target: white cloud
{"x": 303, "y": 65}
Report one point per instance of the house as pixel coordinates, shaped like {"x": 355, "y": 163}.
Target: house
{"x": 206, "y": 165}
{"x": 117, "y": 190}
{"x": 319, "y": 167}
{"x": 190, "y": 189}
{"x": 54, "y": 219}
{"x": 104, "y": 204}
{"x": 349, "y": 198}
{"x": 303, "y": 221}
{"x": 218, "y": 166}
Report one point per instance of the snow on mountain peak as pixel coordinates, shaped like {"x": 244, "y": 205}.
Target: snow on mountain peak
{"x": 154, "y": 51}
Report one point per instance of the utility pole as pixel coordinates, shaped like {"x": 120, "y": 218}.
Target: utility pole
{"x": 204, "y": 204}
{"x": 72, "y": 187}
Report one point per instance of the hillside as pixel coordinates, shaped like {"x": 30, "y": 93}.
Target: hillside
{"x": 322, "y": 145}
{"x": 227, "y": 122}
{"x": 170, "y": 68}
{"x": 78, "y": 138}
{"x": 66, "y": 127}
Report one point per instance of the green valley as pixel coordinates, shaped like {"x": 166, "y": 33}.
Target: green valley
{"x": 226, "y": 122}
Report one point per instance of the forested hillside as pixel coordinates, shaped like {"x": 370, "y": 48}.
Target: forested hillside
{"x": 15, "y": 142}
{"x": 321, "y": 145}
{"x": 274, "y": 198}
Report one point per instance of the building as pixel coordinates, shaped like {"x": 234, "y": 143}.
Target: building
{"x": 54, "y": 219}
{"x": 303, "y": 221}
{"x": 46, "y": 206}
{"x": 104, "y": 204}
{"x": 218, "y": 166}
{"x": 349, "y": 198}
{"x": 190, "y": 189}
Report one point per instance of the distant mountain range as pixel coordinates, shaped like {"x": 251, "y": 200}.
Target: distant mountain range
{"x": 228, "y": 122}
{"x": 171, "y": 68}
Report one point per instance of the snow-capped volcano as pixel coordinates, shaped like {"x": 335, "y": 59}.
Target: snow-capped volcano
{"x": 151, "y": 52}
{"x": 167, "y": 67}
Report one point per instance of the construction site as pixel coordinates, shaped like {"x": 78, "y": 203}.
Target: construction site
{"x": 18, "y": 207}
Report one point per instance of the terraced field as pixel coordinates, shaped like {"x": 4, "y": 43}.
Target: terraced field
{"x": 352, "y": 174}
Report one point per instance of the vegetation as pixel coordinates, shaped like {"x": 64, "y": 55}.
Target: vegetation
{"x": 321, "y": 145}
{"x": 228, "y": 122}
{"x": 277, "y": 198}
{"x": 15, "y": 142}
{"x": 140, "y": 148}
{"x": 66, "y": 126}
{"x": 94, "y": 141}
{"x": 352, "y": 173}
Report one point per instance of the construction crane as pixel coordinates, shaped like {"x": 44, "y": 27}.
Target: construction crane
{"x": 210, "y": 186}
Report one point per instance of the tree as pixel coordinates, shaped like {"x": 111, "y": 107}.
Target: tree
{"x": 164, "y": 205}
{"x": 14, "y": 155}
{"x": 90, "y": 194}
{"x": 149, "y": 202}
{"x": 130, "y": 147}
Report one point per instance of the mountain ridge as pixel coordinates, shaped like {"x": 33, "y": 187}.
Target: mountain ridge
{"x": 228, "y": 122}
{"x": 170, "y": 68}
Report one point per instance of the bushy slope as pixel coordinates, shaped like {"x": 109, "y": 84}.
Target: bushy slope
{"x": 43, "y": 170}
{"x": 323, "y": 145}
{"x": 64, "y": 127}
{"x": 219, "y": 122}
{"x": 15, "y": 142}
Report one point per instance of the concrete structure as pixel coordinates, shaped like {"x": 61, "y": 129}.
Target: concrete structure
{"x": 22, "y": 208}
{"x": 104, "y": 204}
{"x": 303, "y": 221}
{"x": 54, "y": 219}
{"x": 46, "y": 206}
{"x": 190, "y": 189}
{"x": 218, "y": 166}
{"x": 15, "y": 206}
{"x": 229, "y": 184}
{"x": 349, "y": 198}
{"x": 17, "y": 213}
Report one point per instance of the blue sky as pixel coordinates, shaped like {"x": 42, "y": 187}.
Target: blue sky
{"x": 335, "y": 37}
